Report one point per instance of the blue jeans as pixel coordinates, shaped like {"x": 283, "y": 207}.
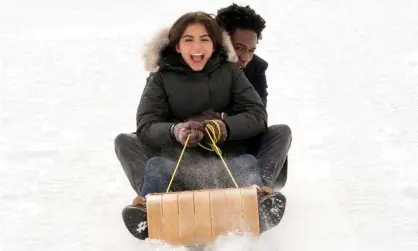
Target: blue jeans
{"x": 205, "y": 174}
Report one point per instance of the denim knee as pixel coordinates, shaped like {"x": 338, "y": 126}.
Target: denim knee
{"x": 158, "y": 166}
{"x": 246, "y": 162}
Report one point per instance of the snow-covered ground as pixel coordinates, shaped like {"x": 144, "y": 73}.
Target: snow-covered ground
{"x": 343, "y": 75}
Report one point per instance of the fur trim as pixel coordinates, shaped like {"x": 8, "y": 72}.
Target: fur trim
{"x": 227, "y": 44}
{"x": 152, "y": 50}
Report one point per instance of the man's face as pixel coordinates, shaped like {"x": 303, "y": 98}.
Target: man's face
{"x": 245, "y": 43}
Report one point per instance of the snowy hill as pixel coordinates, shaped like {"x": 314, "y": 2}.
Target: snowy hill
{"x": 343, "y": 75}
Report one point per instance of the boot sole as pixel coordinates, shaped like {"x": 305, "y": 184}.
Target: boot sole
{"x": 272, "y": 208}
{"x": 135, "y": 220}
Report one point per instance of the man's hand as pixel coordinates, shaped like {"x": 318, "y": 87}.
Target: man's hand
{"x": 206, "y": 115}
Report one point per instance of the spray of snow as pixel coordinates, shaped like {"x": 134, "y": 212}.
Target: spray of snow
{"x": 342, "y": 75}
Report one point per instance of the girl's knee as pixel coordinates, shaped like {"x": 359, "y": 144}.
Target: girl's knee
{"x": 155, "y": 161}
{"x": 249, "y": 158}
{"x": 247, "y": 162}
{"x": 158, "y": 166}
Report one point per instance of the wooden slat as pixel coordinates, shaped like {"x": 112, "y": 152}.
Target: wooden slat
{"x": 218, "y": 212}
{"x": 155, "y": 217}
{"x": 250, "y": 210}
{"x": 171, "y": 218}
{"x": 203, "y": 224}
{"x": 187, "y": 217}
{"x": 234, "y": 210}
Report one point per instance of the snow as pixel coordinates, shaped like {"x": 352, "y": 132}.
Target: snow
{"x": 342, "y": 74}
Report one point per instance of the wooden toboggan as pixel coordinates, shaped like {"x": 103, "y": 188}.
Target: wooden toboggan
{"x": 199, "y": 217}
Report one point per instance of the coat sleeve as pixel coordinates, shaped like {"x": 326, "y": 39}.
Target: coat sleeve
{"x": 249, "y": 116}
{"x": 152, "y": 125}
{"x": 256, "y": 74}
{"x": 260, "y": 81}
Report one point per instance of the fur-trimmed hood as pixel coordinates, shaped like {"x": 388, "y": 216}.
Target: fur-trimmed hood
{"x": 153, "y": 49}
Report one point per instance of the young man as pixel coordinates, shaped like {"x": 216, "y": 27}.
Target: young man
{"x": 245, "y": 28}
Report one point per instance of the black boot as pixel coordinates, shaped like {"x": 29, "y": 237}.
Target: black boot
{"x": 271, "y": 208}
{"x": 135, "y": 218}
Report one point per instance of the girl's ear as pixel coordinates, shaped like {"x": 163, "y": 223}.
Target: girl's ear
{"x": 178, "y": 48}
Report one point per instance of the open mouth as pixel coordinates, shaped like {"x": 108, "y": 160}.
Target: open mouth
{"x": 197, "y": 57}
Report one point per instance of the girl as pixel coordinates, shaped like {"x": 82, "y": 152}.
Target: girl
{"x": 194, "y": 81}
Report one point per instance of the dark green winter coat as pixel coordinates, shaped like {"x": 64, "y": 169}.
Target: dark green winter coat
{"x": 174, "y": 93}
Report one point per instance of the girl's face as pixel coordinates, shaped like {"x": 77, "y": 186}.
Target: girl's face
{"x": 195, "y": 46}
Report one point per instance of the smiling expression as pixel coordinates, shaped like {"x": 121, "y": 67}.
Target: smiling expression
{"x": 195, "y": 46}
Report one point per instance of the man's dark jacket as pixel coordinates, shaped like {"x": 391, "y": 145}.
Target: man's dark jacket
{"x": 256, "y": 74}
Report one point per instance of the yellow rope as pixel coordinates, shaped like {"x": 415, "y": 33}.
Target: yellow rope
{"x": 214, "y": 136}
{"x": 217, "y": 149}
{"x": 178, "y": 163}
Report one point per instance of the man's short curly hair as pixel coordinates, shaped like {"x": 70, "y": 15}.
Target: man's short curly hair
{"x": 240, "y": 17}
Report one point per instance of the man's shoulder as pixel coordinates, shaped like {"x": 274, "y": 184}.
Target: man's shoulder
{"x": 258, "y": 63}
